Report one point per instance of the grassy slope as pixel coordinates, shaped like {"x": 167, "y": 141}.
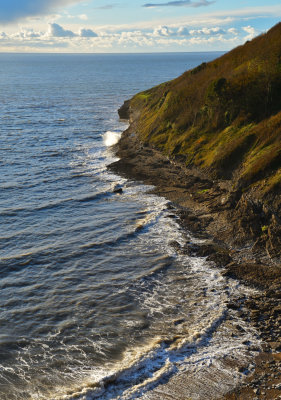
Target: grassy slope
{"x": 224, "y": 116}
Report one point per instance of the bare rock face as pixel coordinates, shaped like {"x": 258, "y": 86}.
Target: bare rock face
{"x": 124, "y": 110}
{"x": 273, "y": 244}
{"x": 249, "y": 218}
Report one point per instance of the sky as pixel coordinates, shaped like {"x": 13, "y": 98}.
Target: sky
{"x": 132, "y": 26}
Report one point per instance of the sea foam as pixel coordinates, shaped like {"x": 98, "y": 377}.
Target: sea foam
{"x": 111, "y": 137}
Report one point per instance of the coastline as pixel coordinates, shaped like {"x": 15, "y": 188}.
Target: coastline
{"x": 206, "y": 208}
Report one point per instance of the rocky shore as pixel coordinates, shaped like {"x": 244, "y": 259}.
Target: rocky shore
{"x": 242, "y": 238}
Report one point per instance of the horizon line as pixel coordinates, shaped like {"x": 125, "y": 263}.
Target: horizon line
{"x": 115, "y": 53}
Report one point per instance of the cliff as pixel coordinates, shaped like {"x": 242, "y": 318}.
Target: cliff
{"x": 210, "y": 142}
{"x": 223, "y": 119}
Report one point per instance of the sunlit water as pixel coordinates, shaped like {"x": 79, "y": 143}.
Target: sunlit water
{"x": 91, "y": 289}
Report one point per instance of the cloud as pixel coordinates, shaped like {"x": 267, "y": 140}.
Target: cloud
{"x": 208, "y": 31}
{"x": 30, "y": 33}
{"x": 87, "y": 33}
{"x": 135, "y": 39}
{"x": 84, "y": 17}
{"x": 162, "y": 31}
{"x": 183, "y": 31}
{"x": 107, "y": 7}
{"x": 165, "y": 31}
{"x": 164, "y": 37}
{"x": 233, "y": 31}
{"x": 211, "y": 18}
{"x": 57, "y": 30}
{"x": 181, "y": 3}
{"x": 251, "y": 32}
{"x": 18, "y": 9}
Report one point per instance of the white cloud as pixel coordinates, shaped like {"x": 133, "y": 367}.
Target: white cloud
{"x": 208, "y": 31}
{"x": 89, "y": 33}
{"x": 30, "y": 33}
{"x": 134, "y": 38}
{"x": 168, "y": 31}
{"x": 93, "y": 39}
{"x": 233, "y": 31}
{"x": 183, "y": 31}
{"x": 252, "y": 32}
{"x": 57, "y": 30}
{"x": 162, "y": 31}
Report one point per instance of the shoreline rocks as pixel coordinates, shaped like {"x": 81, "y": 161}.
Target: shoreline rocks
{"x": 233, "y": 225}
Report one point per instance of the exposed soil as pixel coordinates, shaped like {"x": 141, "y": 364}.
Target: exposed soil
{"x": 243, "y": 239}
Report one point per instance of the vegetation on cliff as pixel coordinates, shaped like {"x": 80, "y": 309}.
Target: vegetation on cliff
{"x": 223, "y": 116}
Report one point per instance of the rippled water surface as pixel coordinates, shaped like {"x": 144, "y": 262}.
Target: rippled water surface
{"x": 90, "y": 286}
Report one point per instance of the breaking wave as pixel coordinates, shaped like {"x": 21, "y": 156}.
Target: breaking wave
{"x": 111, "y": 137}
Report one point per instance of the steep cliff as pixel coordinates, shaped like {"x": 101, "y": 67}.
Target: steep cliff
{"x": 223, "y": 116}
{"x": 210, "y": 142}
{"x": 224, "y": 119}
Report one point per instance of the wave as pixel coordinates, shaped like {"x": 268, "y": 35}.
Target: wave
{"x": 46, "y": 206}
{"x": 35, "y": 256}
{"x": 56, "y": 204}
{"x": 93, "y": 197}
{"x": 149, "y": 219}
{"x": 139, "y": 226}
{"x": 112, "y": 242}
{"x": 111, "y": 137}
{"x": 145, "y": 368}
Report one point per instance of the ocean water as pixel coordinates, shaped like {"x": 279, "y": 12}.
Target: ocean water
{"x": 95, "y": 302}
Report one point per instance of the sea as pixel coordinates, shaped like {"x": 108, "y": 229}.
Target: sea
{"x": 95, "y": 301}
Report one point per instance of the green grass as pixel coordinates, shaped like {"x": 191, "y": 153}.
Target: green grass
{"x": 223, "y": 116}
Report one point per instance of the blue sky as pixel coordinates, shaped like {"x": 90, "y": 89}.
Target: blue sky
{"x": 95, "y": 26}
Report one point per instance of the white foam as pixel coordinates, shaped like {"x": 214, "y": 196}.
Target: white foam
{"x": 199, "y": 345}
{"x": 203, "y": 339}
{"x": 111, "y": 137}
